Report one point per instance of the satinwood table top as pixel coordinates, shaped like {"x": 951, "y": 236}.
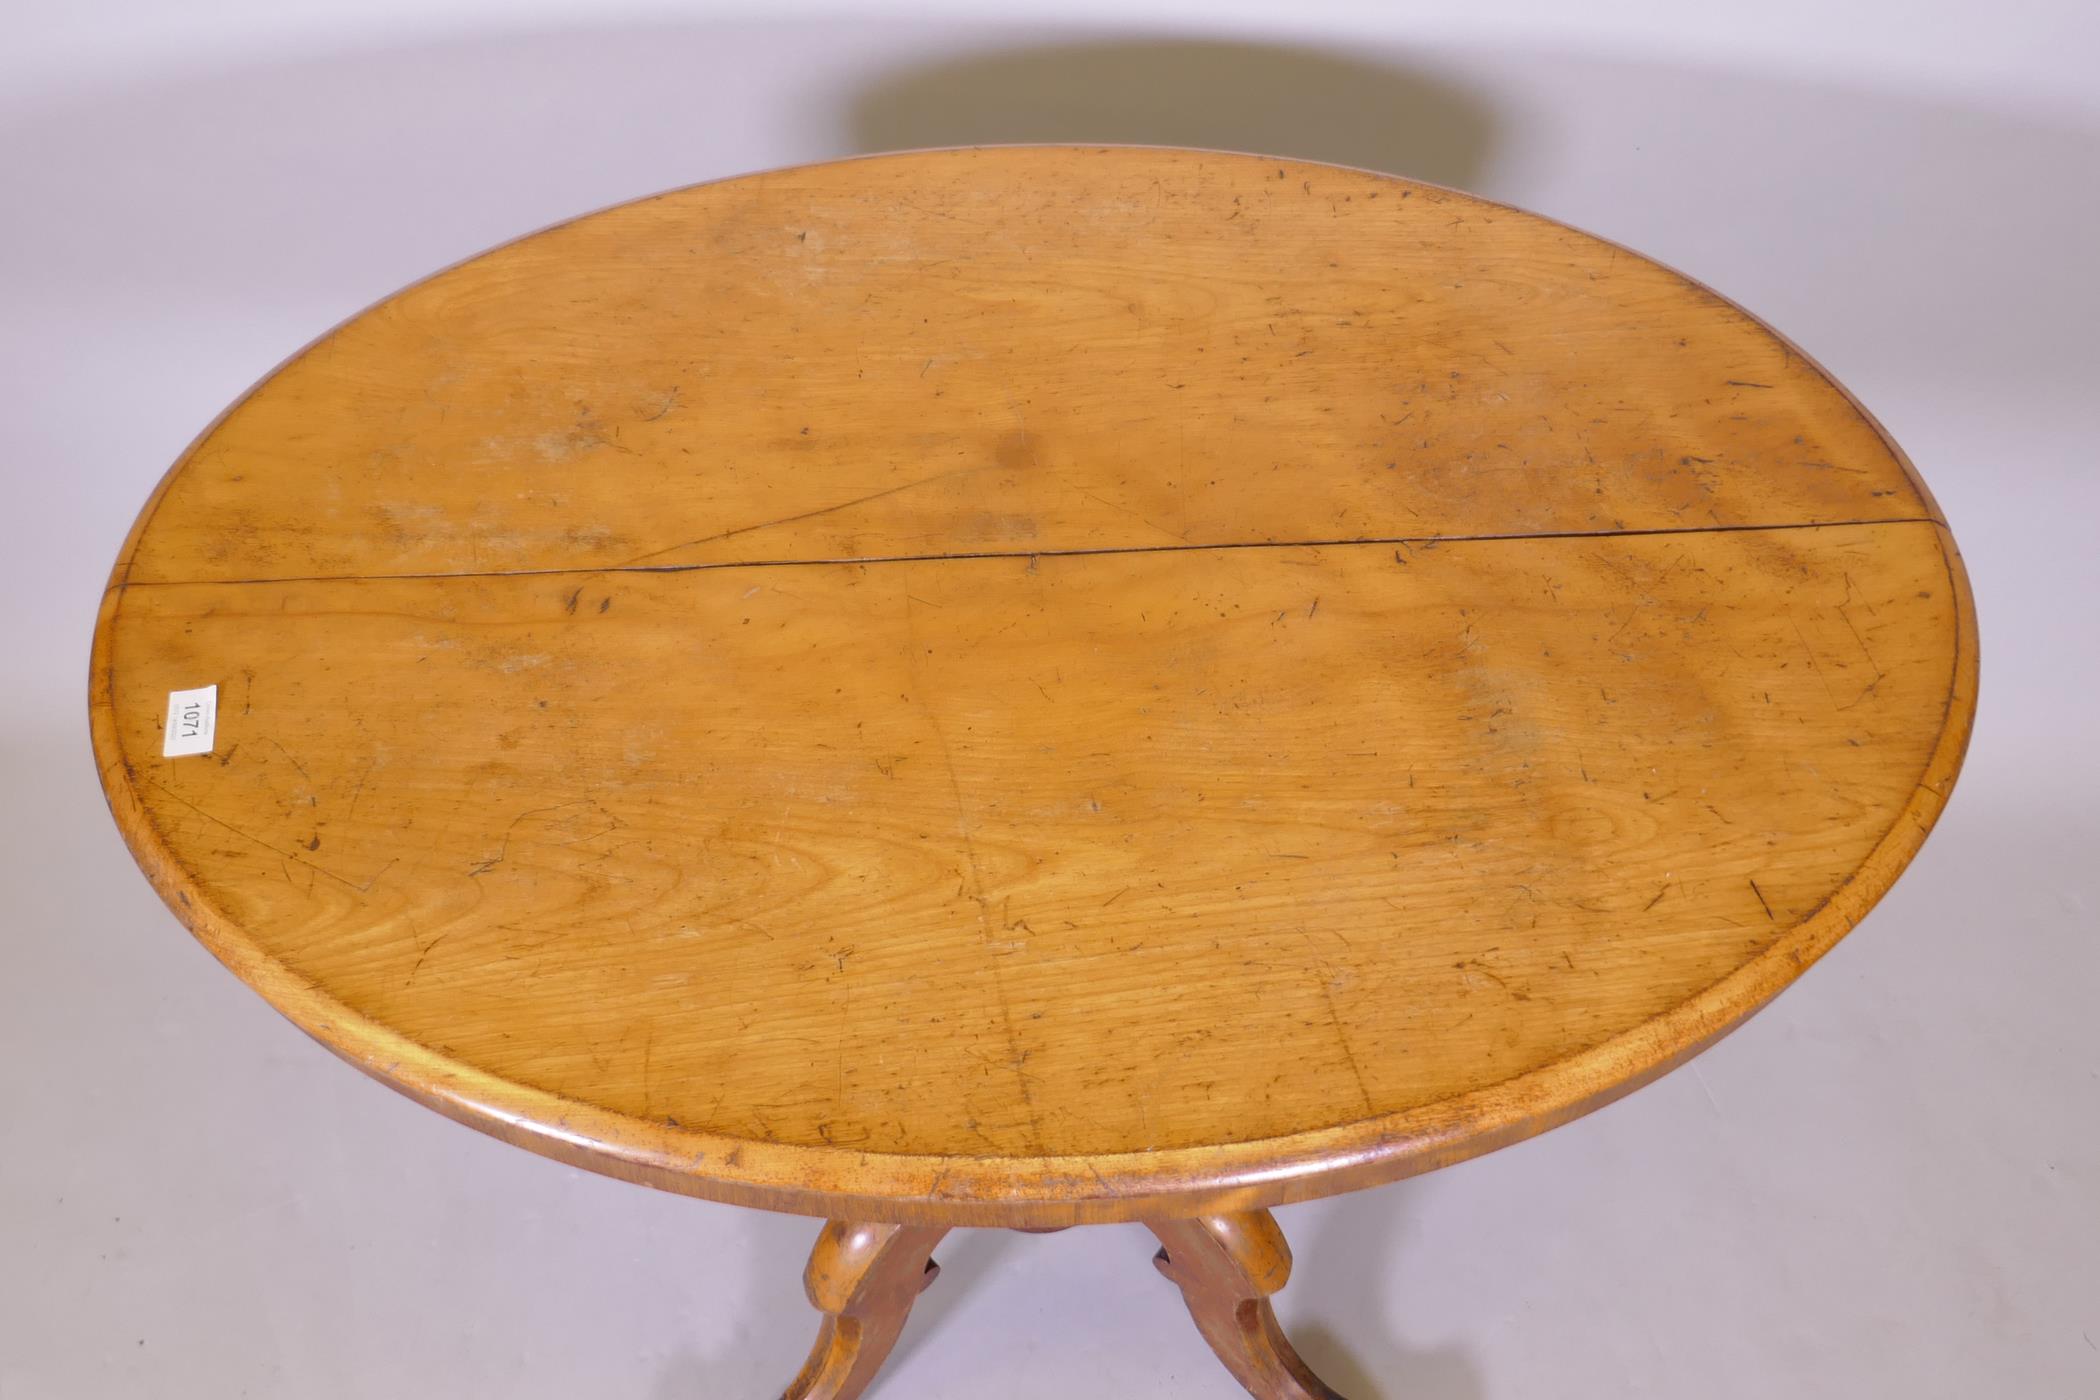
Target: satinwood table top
{"x": 1036, "y": 685}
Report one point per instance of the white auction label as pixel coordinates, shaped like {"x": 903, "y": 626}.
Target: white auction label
{"x": 193, "y": 721}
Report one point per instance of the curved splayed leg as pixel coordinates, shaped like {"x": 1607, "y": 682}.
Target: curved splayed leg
{"x": 1227, "y": 1266}
{"x": 864, "y": 1279}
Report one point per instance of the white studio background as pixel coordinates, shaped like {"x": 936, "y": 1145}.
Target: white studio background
{"x": 1888, "y": 1184}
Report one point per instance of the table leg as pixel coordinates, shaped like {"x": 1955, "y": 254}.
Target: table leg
{"x": 1226, "y": 1267}
{"x": 864, "y": 1279}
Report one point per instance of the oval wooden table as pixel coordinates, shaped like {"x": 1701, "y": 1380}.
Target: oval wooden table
{"x": 1029, "y": 687}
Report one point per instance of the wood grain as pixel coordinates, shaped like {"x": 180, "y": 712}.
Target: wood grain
{"x": 1017, "y": 350}
{"x": 864, "y": 1279}
{"x": 1190, "y": 725}
{"x": 1226, "y": 1267}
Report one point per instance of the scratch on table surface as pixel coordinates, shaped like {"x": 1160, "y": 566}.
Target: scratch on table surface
{"x": 1341, "y": 1036}
{"x": 1879, "y": 674}
{"x": 483, "y": 866}
{"x": 799, "y": 517}
{"x": 359, "y": 790}
{"x": 418, "y": 967}
{"x": 975, "y": 890}
{"x": 1179, "y": 537}
{"x": 1813, "y": 664}
{"x": 345, "y": 881}
{"x": 648, "y": 1069}
{"x": 290, "y": 759}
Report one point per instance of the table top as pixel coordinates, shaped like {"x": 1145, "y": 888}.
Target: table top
{"x": 1035, "y": 685}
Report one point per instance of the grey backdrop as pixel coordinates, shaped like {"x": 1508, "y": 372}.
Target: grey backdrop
{"x": 1886, "y": 1185}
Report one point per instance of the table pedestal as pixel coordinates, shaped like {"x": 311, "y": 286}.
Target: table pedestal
{"x": 865, "y": 1278}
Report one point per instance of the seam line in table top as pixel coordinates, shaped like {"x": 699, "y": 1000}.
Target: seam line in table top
{"x": 963, "y": 556}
